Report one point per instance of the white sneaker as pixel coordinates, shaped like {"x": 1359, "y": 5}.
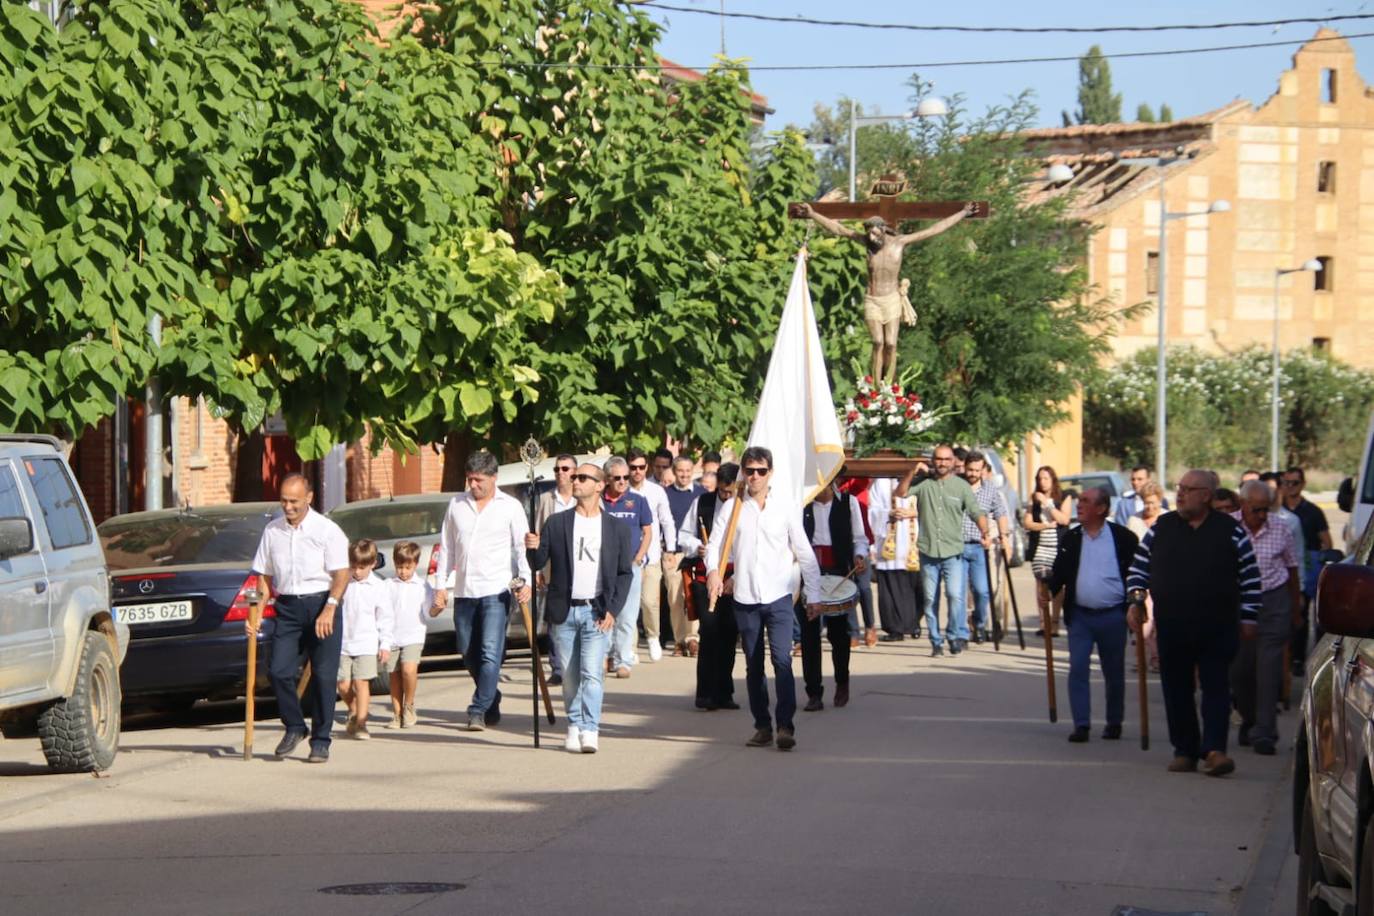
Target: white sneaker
{"x": 589, "y": 742}
{"x": 573, "y": 744}
{"x": 655, "y": 650}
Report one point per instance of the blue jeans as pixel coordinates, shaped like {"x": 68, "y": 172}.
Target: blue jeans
{"x": 777, "y": 618}
{"x": 1107, "y": 629}
{"x": 583, "y": 649}
{"x": 950, "y": 570}
{"x": 481, "y": 623}
{"x": 625, "y": 636}
{"x": 976, "y": 573}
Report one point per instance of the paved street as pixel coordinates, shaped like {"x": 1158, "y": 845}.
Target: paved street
{"x": 941, "y": 788}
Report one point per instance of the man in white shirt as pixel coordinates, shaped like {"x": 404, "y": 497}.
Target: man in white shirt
{"x": 482, "y": 544}
{"x": 304, "y": 558}
{"x": 559, "y": 499}
{"x": 662, "y": 538}
{"x": 768, "y": 536}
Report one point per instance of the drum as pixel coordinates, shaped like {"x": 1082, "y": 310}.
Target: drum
{"x": 838, "y": 595}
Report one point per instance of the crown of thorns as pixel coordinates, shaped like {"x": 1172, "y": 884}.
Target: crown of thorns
{"x": 877, "y": 222}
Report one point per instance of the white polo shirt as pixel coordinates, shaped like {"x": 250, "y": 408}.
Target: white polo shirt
{"x": 367, "y": 617}
{"x": 300, "y": 559}
{"x": 483, "y": 549}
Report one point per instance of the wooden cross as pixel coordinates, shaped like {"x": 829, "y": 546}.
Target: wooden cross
{"x": 890, "y": 209}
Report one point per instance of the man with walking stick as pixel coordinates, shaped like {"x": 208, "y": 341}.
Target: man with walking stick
{"x": 482, "y": 544}
{"x": 1199, "y": 567}
{"x": 303, "y": 557}
{"x": 590, "y": 565}
{"x": 1091, "y": 566}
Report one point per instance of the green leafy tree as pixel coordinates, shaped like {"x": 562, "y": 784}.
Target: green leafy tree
{"x": 1166, "y": 114}
{"x": 1144, "y": 113}
{"x": 1097, "y": 104}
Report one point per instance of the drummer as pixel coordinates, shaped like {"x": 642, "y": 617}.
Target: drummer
{"x": 835, "y": 527}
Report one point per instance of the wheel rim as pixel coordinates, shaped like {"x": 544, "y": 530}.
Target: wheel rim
{"x": 102, "y": 691}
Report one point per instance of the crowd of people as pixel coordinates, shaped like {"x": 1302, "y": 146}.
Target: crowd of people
{"x": 1217, "y": 589}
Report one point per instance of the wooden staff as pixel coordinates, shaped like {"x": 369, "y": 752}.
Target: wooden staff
{"x": 541, "y": 683}
{"x": 729, "y": 542}
{"x": 250, "y": 705}
{"x": 1015, "y": 609}
{"x": 1049, "y": 674}
{"x": 1140, "y": 666}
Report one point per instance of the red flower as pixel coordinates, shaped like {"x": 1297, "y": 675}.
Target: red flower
{"x": 868, "y": 379}
{"x": 911, "y": 413}
{"x": 896, "y": 389}
{"x": 863, "y": 402}
{"x": 852, "y": 416}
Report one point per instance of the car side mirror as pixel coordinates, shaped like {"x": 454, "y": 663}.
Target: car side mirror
{"x": 16, "y": 537}
{"x": 381, "y": 561}
{"x": 1345, "y": 495}
{"x": 1345, "y": 600}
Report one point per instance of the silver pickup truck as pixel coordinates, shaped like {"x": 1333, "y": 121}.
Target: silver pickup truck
{"x": 60, "y": 646}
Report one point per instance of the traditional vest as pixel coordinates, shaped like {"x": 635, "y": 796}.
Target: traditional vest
{"x": 841, "y": 533}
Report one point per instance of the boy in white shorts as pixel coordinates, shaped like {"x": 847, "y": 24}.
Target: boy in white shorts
{"x": 411, "y": 597}
{"x": 367, "y": 623}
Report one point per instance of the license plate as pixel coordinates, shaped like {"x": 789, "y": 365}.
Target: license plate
{"x": 157, "y": 612}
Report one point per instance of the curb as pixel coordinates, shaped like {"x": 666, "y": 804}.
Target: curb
{"x": 1266, "y": 867}
{"x": 79, "y": 784}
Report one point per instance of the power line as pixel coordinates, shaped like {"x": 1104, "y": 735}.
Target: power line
{"x": 929, "y": 65}
{"x": 911, "y": 27}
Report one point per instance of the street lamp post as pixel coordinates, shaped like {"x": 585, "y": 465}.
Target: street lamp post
{"x": 1161, "y": 362}
{"x": 928, "y": 108}
{"x": 1311, "y": 265}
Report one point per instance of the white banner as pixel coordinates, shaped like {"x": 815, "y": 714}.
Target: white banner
{"x": 796, "y": 418}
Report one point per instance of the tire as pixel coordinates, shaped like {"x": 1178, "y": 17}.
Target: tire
{"x": 1364, "y": 884}
{"x": 1310, "y": 867}
{"x": 80, "y": 734}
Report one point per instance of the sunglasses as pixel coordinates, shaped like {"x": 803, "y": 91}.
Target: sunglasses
{"x": 583, "y": 478}
{"x": 638, "y": 467}
{"x": 567, "y": 470}
{"x": 755, "y": 472}
{"x": 1292, "y": 483}
{"x": 620, "y": 477}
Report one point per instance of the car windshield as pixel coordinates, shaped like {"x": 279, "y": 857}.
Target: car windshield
{"x": 182, "y": 538}
{"x": 391, "y": 521}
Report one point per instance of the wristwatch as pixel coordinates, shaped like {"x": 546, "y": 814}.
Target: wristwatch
{"x": 1135, "y": 596}
{"x": 331, "y": 600}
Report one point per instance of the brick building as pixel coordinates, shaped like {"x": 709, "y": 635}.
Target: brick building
{"x": 1298, "y": 171}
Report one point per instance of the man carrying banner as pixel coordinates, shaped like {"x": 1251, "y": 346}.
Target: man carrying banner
{"x": 767, "y": 535}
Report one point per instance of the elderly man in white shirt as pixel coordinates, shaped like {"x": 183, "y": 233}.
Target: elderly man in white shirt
{"x": 768, "y": 536}
{"x": 304, "y": 558}
{"x": 662, "y": 538}
{"x": 482, "y": 544}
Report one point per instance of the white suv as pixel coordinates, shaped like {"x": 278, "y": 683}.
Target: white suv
{"x": 60, "y": 646}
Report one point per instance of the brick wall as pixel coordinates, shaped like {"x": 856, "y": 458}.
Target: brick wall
{"x": 372, "y": 476}
{"x": 206, "y": 450}
{"x": 93, "y": 463}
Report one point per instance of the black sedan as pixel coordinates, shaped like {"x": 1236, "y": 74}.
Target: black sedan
{"x": 181, "y": 579}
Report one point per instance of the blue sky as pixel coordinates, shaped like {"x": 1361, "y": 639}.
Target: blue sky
{"x": 1190, "y": 84}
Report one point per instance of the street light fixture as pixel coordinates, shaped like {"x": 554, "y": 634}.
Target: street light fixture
{"x": 931, "y": 107}
{"x": 1313, "y": 266}
{"x": 1059, "y": 173}
{"x": 1161, "y": 378}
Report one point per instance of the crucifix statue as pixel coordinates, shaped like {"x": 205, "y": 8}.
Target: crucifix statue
{"x": 886, "y": 305}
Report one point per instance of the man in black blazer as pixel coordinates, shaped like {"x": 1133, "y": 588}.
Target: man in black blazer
{"x": 590, "y": 571}
{"x": 1091, "y": 567}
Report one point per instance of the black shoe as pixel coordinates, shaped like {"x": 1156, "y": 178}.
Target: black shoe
{"x": 1039, "y": 632}
{"x": 1111, "y": 733}
{"x": 957, "y": 645}
{"x": 841, "y": 695}
{"x": 937, "y": 651}
{"x": 891, "y": 637}
{"x": 916, "y": 634}
{"x": 1243, "y": 736}
{"x": 786, "y": 739}
{"x": 1264, "y": 747}
{"x": 555, "y": 680}
{"x": 727, "y": 704}
{"x": 762, "y": 738}
{"x": 705, "y": 704}
{"x": 288, "y": 743}
{"x": 813, "y": 704}
{"x": 318, "y": 755}
{"x": 1079, "y": 735}
{"x": 493, "y": 715}
{"x": 978, "y": 636}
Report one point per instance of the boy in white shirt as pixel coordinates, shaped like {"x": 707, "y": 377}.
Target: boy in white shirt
{"x": 411, "y": 599}
{"x": 367, "y": 618}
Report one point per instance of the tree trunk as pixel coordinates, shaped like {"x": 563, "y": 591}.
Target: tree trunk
{"x": 457, "y": 447}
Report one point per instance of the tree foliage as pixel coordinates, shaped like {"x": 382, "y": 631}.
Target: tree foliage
{"x": 1097, "y": 104}
{"x": 1144, "y": 113}
{"x": 1218, "y": 408}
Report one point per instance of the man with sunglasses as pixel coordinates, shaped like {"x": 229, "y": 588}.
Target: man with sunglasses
{"x": 633, "y": 511}
{"x": 1199, "y": 568}
{"x": 663, "y": 539}
{"x": 1257, "y": 672}
{"x": 558, "y": 499}
{"x": 768, "y": 536}
{"x": 1316, "y": 537}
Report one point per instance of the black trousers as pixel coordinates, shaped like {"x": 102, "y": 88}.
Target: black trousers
{"x": 718, "y": 635}
{"x": 293, "y": 641}
{"x": 899, "y": 601}
{"x": 837, "y": 632}
{"x": 1204, "y": 643}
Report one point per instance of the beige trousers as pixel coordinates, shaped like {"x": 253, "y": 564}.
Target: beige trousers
{"x": 650, "y": 580}
{"x": 684, "y": 630}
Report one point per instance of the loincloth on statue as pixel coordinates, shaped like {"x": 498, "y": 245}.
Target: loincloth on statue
{"x": 888, "y": 308}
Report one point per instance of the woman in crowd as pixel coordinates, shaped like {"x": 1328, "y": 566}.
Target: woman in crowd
{"x": 1047, "y": 515}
